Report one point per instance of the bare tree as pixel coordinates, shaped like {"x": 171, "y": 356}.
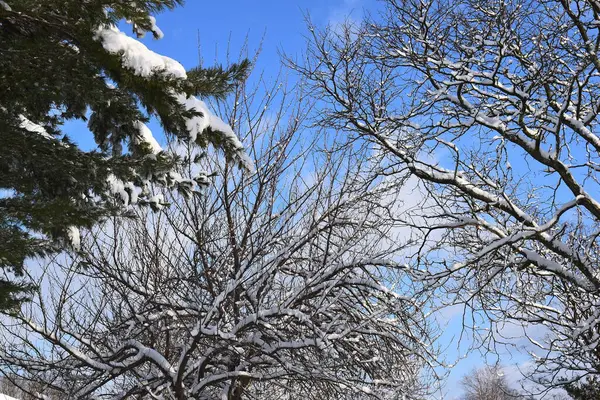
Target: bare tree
{"x": 8, "y": 388}
{"x": 275, "y": 284}
{"x": 14, "y": 386}
{"x": 492, "y": 106}
{"x": 488, "y": 383}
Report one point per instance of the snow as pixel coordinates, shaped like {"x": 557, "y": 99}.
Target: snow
{"x": 127, "y": 192}
{"x": 3, "y": 396}
{"x": 33, "y": 127}
{"x": 73, "y": 47}
{"x": 140, "y": 33}
{"x": 583, "y": 130}
{"x": 198, "y": 124}
{"x": 117, "y": 188}
{"x": 145, "y": 136}
{"x": 136, "y": 56}
{"x": 133, "y": 192}
{"x": 556, "y": 268}
{"x": 155, "y": 29}
{"x": 149, "y": 353}
{"x": 157, "y": 201}
{"x": 74, "y": 238}
{"x": 144, "y": 62}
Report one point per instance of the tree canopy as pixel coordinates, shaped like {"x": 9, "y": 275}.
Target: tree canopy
{"x": 67, "y": 60}
{"x": 492, "y": 108}
{"x": 278, "y": 283}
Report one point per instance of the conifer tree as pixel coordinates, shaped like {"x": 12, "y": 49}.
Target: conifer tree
{"x": 584, "y": 390}
{"x": 64, "y": 60}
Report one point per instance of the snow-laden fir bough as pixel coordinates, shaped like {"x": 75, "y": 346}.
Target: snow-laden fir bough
{"x": 67, "y": 60}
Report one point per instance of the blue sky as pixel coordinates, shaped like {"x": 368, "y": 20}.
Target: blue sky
{"x": 279, "y": 26}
